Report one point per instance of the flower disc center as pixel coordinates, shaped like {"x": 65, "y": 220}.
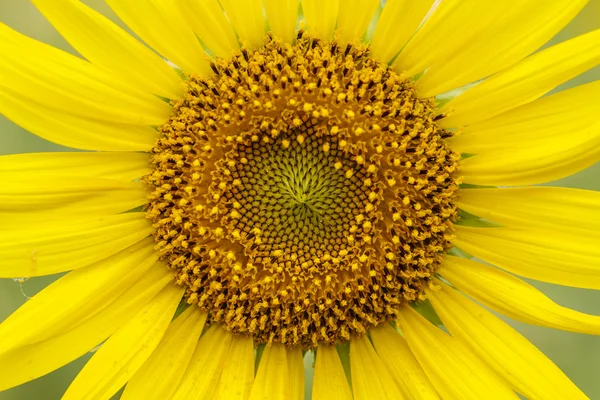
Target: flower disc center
{"x": 303, "y": 193}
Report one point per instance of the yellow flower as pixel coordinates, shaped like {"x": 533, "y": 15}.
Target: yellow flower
{"x": 300, "y": 191}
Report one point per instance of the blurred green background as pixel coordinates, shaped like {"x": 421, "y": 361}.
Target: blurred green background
{"x": 576, "y": 354}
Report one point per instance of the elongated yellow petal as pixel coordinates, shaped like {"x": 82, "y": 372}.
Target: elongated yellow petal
{"x": 204, "y": 371}
{"x": 238, "y": 373}
{"x": 455, "y": 372}
{"x": 282, "y": 16}
{"x": 159, "y": 376}
{"x": 537, "y": 161}
{"x": 354, "y": 18}
{"x": 513, "y": 297}
{"x": 370, "y": 378}
{"x": 321, "y": 17}
{"x": 545, "y": 255}
{"x": 118, "y": 52}
{"x": 549, "y": 207}
{"x": 397, "y": 24}
{"x": 272, "y": 380}
{"x": 559, "y": 115}
{"x": 124, "y": 166}
{"x": 296, "y": 368}
{"x": 32, "y": 361}
{"x": 160, "y": 24}
{"x": 62, "y": 82}
{"x": 330, "y": 381}
{"x": 401, "y": 364}
{"x": 76, "y": 297}
{"x": 64, "y": 128}
{"x": 53, "y": 247}
{"x": 502, "y": 348}
{"x": 471, "y": 42}
{"x": 26, "y": 198}
{"x": 563, "y": 137}
{"x": 209, "y": 22}
{"x": 125, "y": 352}
{"x": 524, "y": 82}
{"x": 247, "y": 19}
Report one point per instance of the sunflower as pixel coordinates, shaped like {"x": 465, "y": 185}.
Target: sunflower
{"x": 275, "y": 178}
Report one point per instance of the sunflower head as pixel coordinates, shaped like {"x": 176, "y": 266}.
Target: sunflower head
{"x": 254, "y": 194}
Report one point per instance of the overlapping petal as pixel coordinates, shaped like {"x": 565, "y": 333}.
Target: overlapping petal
{"x": 209, "y": 22}
{"x": 508, "y": 353}
{"x": 514, "y": 297}
{"x": 524, "y": 82}
{"x": 536, "y": 253}
{"x": 30, "y": 199}
{"x": 354, "y": 18}
{"x": 321, "y": 17}
{"x": 204, "y": 370}
{"x": 122, "y": 166}
{"x": 465, "y": 40}
{"x": 42, "y": 75}
{"x": 29, "y": 362}
{"x": 48, "y": 248}
{"x": 282, "y": 16}
{"x": 125, "y": 352}
{"x": 447, "y": 362}
{"x": 247, "y": 19}
{"x": 568, "y": 210}
{"x": 76, "y": 297}
{"x": 159, "y": 376}
{"x": 118, "y": 51}
{"x": 330, "y": 381}
{"x": 398, "y": 22}
{"x": 160, "y": 24}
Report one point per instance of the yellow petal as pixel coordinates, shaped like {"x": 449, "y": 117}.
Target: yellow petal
{"x": 545, "y": 255}
{"x": 524, "y": 82}
{"x": 247, "y": 19}
{"x": 125, "y": 352}
{"x": 282, "y": 16}
{"x": 76, "y": 297}
{"x": 160, "y": 24}
{"x": 513, "y": 297}
{"x": 204, "y": 371}
{"x": 471, "y": 42}
{"x": 59, "y": 81}
{"x": 502, "y": 348}
{"x": 209, "y": 22}
{"x": 455, "y": 372}
{"x": 159, "y": 376}
{"x": 272, "y": 380}
{"x": 398, "y": 22}
{"x": 238, "y": 373}
{"x": 561, "y": 114}
{"x": 296, "y": 368}
{"x": 552, "y": 208}
{"x": 370, "y": 378}
{"x": 28, "y": 198}
{"x": 329, "y": 381}
{"x": 401, "y": 363}
{"x": 118, "y": 52}
{"x": 32, "y": 361}
{"x": 563, "y": 137}
{"x": 321, "y": 16}
{"x": 71, "y": 130}
{"x": 535, "y": 161}
{"x": 43, "y": 249}
{"x": 124, "y": 166}
{"x": 354, "y": 18}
